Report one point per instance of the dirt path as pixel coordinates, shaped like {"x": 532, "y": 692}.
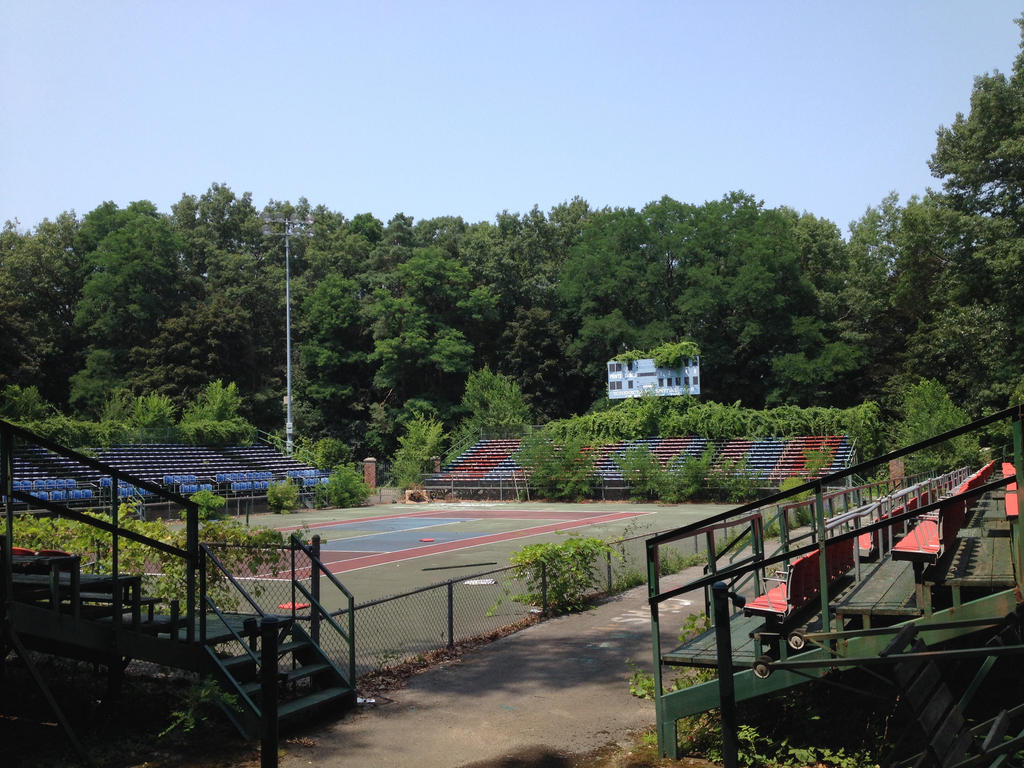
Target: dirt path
{"x": 561, "y": 686}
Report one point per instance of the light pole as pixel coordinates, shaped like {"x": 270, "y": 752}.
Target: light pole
{"x": 293, "y": 225}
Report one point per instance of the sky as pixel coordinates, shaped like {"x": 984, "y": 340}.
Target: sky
{"x": 474, "y": 108}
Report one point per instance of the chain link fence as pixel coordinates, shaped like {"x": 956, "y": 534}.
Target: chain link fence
{"x": 392, "y": 630}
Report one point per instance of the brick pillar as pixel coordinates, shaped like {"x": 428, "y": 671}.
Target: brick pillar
{"x": 370, "y": 472}
{"x": 897, "y": 471}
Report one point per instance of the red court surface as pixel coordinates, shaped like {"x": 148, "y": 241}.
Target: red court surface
{"x": 399, "y": 537}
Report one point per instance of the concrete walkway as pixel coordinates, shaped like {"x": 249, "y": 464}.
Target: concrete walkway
{"x": 561, "y": 684}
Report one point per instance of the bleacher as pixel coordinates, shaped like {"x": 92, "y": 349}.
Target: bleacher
{"x": 767, "y": 460}
{"x": 184, "y": 469}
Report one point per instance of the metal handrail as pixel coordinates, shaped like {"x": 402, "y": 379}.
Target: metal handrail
{"x": 205, "y": 550}
{"x": 316, "y": 563}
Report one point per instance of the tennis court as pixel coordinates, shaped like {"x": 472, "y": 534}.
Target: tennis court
{"x": 362, "y": 542}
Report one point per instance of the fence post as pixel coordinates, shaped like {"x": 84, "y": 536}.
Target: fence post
{"x": 726, "y": 691}
{"x": 543, "y": 588}
{"x": 451, "y": 613}
{"x": 608, "y": 561}
{"x": 314, "y": 587}
{"x": 268, "y": 689}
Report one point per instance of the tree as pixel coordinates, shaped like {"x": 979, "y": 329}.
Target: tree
{"x": 41, "y": 276}
{"x": 980, "y": 159}
{"x": 418, "y": 316}
{"x": 153, "y": 412}
{"x": 133, "y": 283}
{"x": 494, "y": 403}
{"x": 417, "y": 448}
{"x": 333, "y": 357}
{"x": 927, "y": 411}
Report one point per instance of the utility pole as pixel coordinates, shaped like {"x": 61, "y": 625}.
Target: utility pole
{"x": 293, "y": 226}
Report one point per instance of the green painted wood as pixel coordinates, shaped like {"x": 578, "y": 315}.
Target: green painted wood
{"x": 979, "y": 562}
{"x": 319, "y": 698}
{"x": 701, "y": 650}
{"x": 886, "y": 589}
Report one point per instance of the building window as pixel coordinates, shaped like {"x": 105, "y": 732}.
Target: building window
{"x": 630, "y": 383}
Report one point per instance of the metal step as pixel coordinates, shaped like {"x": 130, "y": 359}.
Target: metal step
{"x": 315, "y": 699}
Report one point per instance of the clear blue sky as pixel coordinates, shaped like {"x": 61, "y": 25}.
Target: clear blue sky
{"x": 471, "y": 108}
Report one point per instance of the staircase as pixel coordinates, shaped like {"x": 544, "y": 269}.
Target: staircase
{"x": 275, "y": 668}
{"x": 306, "y": 679}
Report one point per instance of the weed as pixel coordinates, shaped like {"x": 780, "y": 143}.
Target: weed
{"x": 199, "y": 699}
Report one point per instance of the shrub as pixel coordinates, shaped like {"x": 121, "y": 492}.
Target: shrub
{"x": 283, "y": 498}
{"x": 242, "y": 550}
{"x": 558, "y": 471}
{"x": 329, "y": 452}
{"x": 235, "y": 431}
{"x": 566, "y": 567}
{"x": 685, "y": 478}
{"x": 643, "y": 472}
{"x": 211, "y": 506}
{"x": 345, "y": 488}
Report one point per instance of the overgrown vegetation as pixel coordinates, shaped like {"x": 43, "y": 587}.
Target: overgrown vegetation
{"x": 344, "y": 488}
{"x": 212, "y": 418}
{"x": 683, "y": 416}
{"x": 558, "y": 470}
{"x": 243, "y": 550}
{"x": 668, "y": 355}
{"x": 563, "y": 571}
{"x": 211, "y": 506}
{"x": 283, "y": 497}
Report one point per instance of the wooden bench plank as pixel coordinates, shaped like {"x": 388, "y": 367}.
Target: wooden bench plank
{"x": 886, "y": 590}
{"x": 702, "y": 651}
{"x": 977, "y": 562}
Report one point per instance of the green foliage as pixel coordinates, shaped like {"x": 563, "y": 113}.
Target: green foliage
{"x": 494, "y": 404}
{"x": 215, "y": 403}
{"x": 680, "y": 417}
{"x": 326, "y": 453}
{"x": 202, "y": 698}
{"x": 211, "y": 506}
{"x": 214, "y": 418}
{"x": 668, "y": 355}
{"x": 927, "y": 411}
{"x": 153, "y": 412}
{"x": 644, "y": 473}
{"x": 731, "y": 481}
{"x": 244, "y": 551}
{"x": 22, "y": 404}
{"x": 685, "y": 478}
{"x": 416, "y": 450}
{"x": 567, "y": 569}
{"x": 72, "y": 433}
{"x": 283, "y": 497}
{"x": 345, "y": 488}
{"x": 235, "y": 431}
{"x": 557, "y": 471}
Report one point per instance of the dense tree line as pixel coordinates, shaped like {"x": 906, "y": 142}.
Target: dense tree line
{"x": 391, "y": 318}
